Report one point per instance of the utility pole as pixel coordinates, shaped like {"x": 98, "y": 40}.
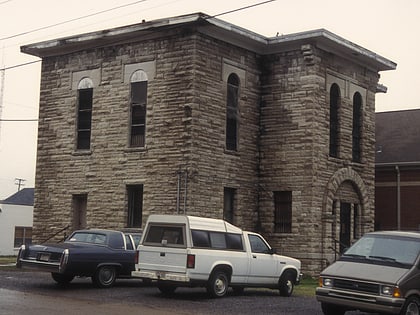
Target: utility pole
{"x": 2, "y": 74}
{"x": 19, "y": 182}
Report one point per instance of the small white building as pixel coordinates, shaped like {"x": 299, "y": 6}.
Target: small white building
{"x": 16, "y": 217}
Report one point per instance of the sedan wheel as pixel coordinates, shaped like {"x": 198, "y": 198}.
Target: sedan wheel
{"x": 61, "y": 279}
{"x": 105, "y": 277}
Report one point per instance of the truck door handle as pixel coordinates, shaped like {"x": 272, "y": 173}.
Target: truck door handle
{"x": 254, "y": 256}
{"x": 162, "y": 254}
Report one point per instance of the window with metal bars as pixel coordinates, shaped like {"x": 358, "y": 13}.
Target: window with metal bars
{"x": 232, "y": 112}
{"x": 357, "y": 127}
{"x": 138, "y": 103}
{"x": 282, "y": 211}
{"x": 334, "y": 119}
{"x": 229, "y": 204}
{"x": 135, "y": 205}
{"x": 84, "y": 118}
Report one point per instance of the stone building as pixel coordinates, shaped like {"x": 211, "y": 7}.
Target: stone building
{"x": 195, "y": 115}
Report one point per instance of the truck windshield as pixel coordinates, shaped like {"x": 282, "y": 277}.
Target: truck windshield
{"x": 399, "y": 250}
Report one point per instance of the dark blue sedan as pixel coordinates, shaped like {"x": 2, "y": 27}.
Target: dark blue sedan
{"x": 103, "y": 255}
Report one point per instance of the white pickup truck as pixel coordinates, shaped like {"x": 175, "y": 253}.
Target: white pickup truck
{"x": 180, "y": 250}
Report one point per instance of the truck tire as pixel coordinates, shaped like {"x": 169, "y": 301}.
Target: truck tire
{"x": 287, "y": 283}
{"x": 61, "y": 279}
{"x": 411, "y": 306}
{"x": 330, "y": 309}
{"x": 218, "y": 284}
{"x": 105, "y": 277}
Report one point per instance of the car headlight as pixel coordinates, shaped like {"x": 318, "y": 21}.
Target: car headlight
{"x": 326, "y": 282}
{"x": 389, "y": 290}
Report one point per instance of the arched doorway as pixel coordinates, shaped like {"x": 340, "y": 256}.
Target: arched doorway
{"x": 347, "y": 213}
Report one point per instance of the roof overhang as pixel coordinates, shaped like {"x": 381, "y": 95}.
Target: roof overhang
{"x": 216, "y": 28}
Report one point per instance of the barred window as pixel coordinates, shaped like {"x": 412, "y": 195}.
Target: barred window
{"x": 357, "y": 127}
{"x": 283, "y": 211}
{"x": 84, "y": 113}
{"x": 232, "y": 112}
{"x": 334, "y": 119}
{"x": 138, "y": 103}
{"x": 135, "y": 205}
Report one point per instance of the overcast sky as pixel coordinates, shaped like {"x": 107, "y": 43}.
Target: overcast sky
{"x": 386, "y": 27}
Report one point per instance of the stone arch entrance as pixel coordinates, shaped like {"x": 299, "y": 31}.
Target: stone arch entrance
{"x": 346, "y": 213}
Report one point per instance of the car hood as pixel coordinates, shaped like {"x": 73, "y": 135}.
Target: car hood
{"x": 364, "y": 271}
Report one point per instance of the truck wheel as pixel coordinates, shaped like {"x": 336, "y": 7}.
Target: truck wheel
{"x": 287, "y": 283}
{"x": 330, "y": 309}
{"x": 61, "y": 279}
{"x": 105, "y": 277}
{"x": 218, "y": 284}
{"x": 411, "y": 306}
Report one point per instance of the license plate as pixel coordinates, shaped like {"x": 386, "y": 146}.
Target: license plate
{"x": 44, "y": 257}
{"x": 160, "y": 274}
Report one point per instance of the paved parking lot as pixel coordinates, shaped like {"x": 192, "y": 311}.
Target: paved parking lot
{"x": 34, "y": 293}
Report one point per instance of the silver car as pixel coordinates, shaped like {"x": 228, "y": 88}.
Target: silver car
{"x": 379, "y": 273}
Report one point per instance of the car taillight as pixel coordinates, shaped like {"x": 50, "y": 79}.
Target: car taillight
{"x": 190, "y": 261}
{"x": 136, "y": 259}
{"x": 64, "y": 259}
{"x": 20, "y": 255}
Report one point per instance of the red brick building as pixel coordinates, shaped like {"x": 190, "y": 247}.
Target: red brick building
{"x": 397, "y": 170}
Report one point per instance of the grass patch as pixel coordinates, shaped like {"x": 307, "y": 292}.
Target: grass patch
{"x": 7, "y": 260}
{"x": 306, "y": 287}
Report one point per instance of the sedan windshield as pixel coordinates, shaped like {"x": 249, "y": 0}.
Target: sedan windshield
{"x": 386, "y": 248}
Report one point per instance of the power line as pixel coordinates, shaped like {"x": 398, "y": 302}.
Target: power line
{"x": 72, "y": 20}
{"x": 93, "y": 14}
{"x": 242, "y": 8}
{"x": 15, "y": 120}
{"x": 20, "y": 65}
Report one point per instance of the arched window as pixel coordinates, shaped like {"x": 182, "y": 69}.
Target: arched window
{"x": 232, "y": 112}
{"x": 334, "y": 124}
{"x": 84, "y": 113}
{"x": 357, "y": 127}
{"x": 138, "y": 103}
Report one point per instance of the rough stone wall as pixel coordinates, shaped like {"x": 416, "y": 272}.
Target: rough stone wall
{"x": 295, "y": 149}
{"x": 110, "y": 165}
{"x": 283, "y": 139}
{"x": 185, "y": 129}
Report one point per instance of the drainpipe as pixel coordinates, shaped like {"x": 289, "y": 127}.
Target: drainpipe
{"x": 185, "y": 190}
{"x": 397, "y": 169}
{"x": 178, "y": 188}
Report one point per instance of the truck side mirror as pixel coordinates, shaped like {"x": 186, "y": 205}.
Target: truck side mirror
{"x": 272, "y": 251}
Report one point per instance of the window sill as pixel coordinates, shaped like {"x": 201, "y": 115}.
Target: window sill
{"x": 231, "y": 152}
{"x": 135, "y": 149}
{"x": 82, "y": 152}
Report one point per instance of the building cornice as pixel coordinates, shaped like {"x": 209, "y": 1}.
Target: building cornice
{"x": 216, "y": 28}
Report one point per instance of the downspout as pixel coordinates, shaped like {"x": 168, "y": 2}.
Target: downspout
{"x": 185, "y": 191}
{"x": 397, "y": 169}
{"x": 178, "y": 188}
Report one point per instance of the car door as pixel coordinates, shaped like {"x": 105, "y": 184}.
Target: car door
{"x": 264, "y": 267}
